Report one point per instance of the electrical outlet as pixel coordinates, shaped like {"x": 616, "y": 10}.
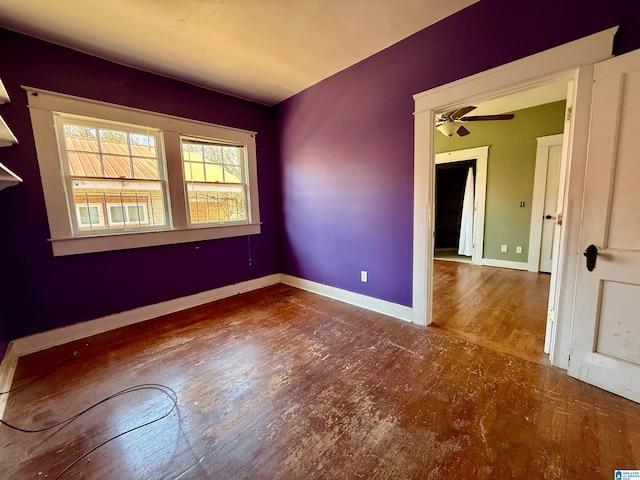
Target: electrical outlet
{"x": 503, "y": 248}
{"x": 364, "y": 276}
{"x": 519, "y": 249}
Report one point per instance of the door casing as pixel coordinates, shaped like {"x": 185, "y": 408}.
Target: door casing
{"x": 570, "y": 62}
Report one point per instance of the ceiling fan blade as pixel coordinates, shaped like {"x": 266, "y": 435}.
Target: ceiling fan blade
{"x": 463, "y": 131}
{"x": 461, "y": 112}
{"x": 478, "y": 118}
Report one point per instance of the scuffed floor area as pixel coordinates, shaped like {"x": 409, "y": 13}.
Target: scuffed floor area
{"x": 284, "y": 384}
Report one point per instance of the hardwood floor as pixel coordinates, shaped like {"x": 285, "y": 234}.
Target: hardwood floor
{"x": 498, "y": 308}
{"x": 283, "y": 384}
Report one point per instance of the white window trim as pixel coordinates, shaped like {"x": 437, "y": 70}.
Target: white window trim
{"x": 217, "y": 186}
{"x": 43, "y": 103}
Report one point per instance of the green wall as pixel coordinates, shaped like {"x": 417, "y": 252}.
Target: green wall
{"x": 510, "y": 172}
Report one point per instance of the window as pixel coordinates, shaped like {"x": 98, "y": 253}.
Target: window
{"x": 112, "y": 168}
{"x": 89, "y": 215}
{"x": 116, "y": 177}
{"x": 215, "y": 178}
{"x": 130, "y": 214}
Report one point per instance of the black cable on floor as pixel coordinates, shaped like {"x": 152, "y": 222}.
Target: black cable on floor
{"x": 168, "y": 391}
{"x": 15, "y": 389}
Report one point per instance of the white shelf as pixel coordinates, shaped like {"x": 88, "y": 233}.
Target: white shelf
{"x": 7, "y": 138}
{"x": 8, "y": 178}
{"x": 4, "y": 96}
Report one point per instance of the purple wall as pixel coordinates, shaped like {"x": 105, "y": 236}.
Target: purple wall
{"x": 41, "y": 292}
{"x": 347, "y": 143}
{"x": 338, "y": 192}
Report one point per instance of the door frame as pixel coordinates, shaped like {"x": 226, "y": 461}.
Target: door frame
{"x": 562, "y": 62}
{"x": 481, "y": 156}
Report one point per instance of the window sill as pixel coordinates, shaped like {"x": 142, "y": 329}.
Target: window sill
{"x": 124, "y": 241}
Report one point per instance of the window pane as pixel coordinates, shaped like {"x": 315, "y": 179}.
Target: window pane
{"x": 146, "y": 168}
{"x": 209, "y": 203}
{"x": 94, "y": 215}
{"x": 116, "y": 166}
{"x": 187, "y": 171}
{"x": 83, "y": 215}
{"x": 192, "y": 153}
{"x": 115, "y": 142}
{"x": 143, "y": 145}
{"x": 231, "y": 160}
{"x": 80, "y": 138}
{"x": 214, "y": 173}
{"x": 127, "y": 204}
{"x": 232, "y": 155}
{"x": 84, "y": 164}
{"x": 116, "y": 214}
{"x": 90, "y": 216}
{"x": 232, "y": 174}
{"x": 136, "y": 213}
{"x": 197, "y": 172}
{"x": 213, "y": 154}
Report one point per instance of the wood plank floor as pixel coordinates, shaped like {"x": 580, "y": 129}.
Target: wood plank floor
{"x": 283, "y": 384}
{"x": 498, "y": 308}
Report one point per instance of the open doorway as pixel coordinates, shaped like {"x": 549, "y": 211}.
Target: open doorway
{"x": 454, "y": 218}
{"x": 476, "y": 158}
{"x": 502, "y": 308}
{"x": 572, "y": 62}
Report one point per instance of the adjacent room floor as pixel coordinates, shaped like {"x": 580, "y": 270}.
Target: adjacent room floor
{"x": 451, "y": 255}
{"x": 499, "y": 308}
{"x": 284, "y": 384}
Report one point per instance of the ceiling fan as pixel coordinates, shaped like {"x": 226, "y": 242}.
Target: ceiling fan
{"x": 451, "y": 122}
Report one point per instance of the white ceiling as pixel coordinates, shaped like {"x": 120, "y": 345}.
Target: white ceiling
{"x": 541, "y": 95}
{"x": 261, "y": 50}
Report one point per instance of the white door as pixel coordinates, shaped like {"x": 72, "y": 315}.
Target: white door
{"x": 550, "y": 208}
{"x": 605, "y": 348}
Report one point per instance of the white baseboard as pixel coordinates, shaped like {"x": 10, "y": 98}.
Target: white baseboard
{"x": 59, "y": 336}
{"x": 492, "y": 262}
{"x": 381, "y": 306}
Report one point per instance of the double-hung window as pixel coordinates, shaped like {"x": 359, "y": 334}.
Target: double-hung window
{"x": 115, "y": 177}
{"x": 215, "y": 177}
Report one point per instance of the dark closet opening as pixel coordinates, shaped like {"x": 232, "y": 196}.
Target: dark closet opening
{"x": 451, "y": 179}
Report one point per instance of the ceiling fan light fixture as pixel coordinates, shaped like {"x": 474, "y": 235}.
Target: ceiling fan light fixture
{"x": 448, "y": 128}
